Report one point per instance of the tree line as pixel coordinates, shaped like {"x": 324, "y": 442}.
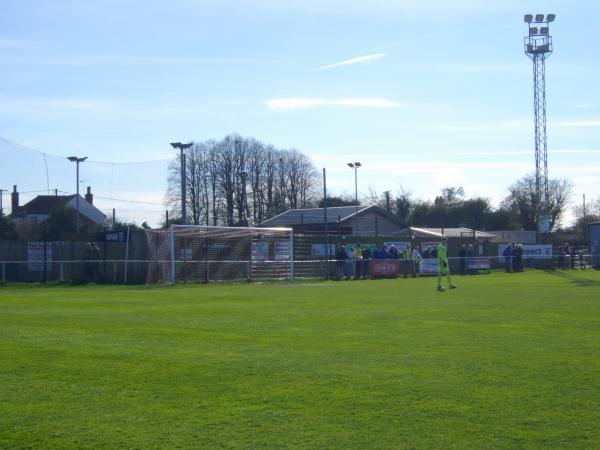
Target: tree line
{"x": 241, "y": 181}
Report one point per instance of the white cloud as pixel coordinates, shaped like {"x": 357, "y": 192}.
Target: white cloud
{"x": 347, "y": 62}
{"x": 579, "y": 123}
{"x": 294, "y": 103}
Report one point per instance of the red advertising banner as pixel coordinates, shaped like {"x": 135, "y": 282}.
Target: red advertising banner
{"x": 385, "y": 267}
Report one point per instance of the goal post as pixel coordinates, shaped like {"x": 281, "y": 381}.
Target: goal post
{"x": 199, "y": 253}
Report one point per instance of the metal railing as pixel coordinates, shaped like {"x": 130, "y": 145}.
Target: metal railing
{"x": 144, "y": 271}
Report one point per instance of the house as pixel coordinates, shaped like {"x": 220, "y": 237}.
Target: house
{"x": 344, "y": 220}
{"x": 38, "y": 209}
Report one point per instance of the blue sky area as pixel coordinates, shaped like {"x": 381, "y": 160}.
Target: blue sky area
{"x": 425, "y": 93}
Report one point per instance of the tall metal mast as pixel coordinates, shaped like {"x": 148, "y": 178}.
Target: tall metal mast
{"x": 538, "y": 46}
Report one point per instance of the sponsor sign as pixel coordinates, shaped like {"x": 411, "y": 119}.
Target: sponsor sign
{"x": 115, "y": 236}
{"x": 320, "y": 250}
{"x": 260, "y": 251}
{"x": 538, "y": 251}
{"x": 282, "y": 250}
{"x": 478, "y": 263}
{"x": 429, "y": 265}
{"x": 385, "y": 267}
{"x": 35, "y": 256}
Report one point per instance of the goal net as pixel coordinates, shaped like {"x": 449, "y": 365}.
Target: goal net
{"x": 201, "y": 254}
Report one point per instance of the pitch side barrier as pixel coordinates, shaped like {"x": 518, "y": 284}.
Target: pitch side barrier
{"x": 210, "y": 270}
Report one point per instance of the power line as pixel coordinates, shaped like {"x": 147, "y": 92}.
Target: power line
{"x": 120, "y": 199}
{"x": 89, "y": 161}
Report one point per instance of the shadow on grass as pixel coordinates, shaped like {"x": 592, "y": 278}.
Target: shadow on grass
{"x": 574, "y": 277}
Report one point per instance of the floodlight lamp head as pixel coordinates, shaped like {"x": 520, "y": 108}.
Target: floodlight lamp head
{"x": 72, "y": 158}
{"x": 351, "y": 165}
{"x": 175, "y": 144}
{"x": 357, "y": 164}
{"x": 539, "y": 17}
{"x": 528, "y": 18}
{"x": 550, "y": 17}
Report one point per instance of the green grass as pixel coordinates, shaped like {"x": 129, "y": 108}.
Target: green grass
{"x": 505, "y": 361}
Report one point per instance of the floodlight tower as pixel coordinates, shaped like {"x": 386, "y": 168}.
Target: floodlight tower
{"x": 538, "y": 46}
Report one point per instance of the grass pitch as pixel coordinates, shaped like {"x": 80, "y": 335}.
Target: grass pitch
{"x": 504, "y": 361}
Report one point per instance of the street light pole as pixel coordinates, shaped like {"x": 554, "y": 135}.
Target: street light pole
{"x": 181, "y": 148}
{"x": 77, "y": 160}
{"x": 355, "y": 166}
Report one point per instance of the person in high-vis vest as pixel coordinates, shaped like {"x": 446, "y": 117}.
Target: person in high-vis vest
{"x": 443, "y": 266}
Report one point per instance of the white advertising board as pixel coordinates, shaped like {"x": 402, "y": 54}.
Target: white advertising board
{"x": 429, "y": 265}
{"x": 260, "y": 251}
{"x": 35, "y": 256}
{"x": 282, "y": 250}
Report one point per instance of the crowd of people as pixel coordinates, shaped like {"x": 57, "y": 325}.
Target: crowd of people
{"x": 569, "y": 258}
{"x": 356, "y": 263}
{"x": 513, "y": 257}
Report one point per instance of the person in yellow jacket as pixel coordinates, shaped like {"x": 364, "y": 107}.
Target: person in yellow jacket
{"x": 443, "y": 266}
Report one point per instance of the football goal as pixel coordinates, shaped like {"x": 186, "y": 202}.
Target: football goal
{"x": 201, "y": 254}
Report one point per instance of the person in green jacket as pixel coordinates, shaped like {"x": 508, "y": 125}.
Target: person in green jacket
{"x": 443, "y": 266}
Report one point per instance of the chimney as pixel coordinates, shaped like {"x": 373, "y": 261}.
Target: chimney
{"x": 89, "y": 197}
{"x": 14, "y": 199}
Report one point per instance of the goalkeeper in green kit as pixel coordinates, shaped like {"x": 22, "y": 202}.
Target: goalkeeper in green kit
{"x": 443, "y": 265}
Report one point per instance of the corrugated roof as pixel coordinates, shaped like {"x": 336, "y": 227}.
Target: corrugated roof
{"x": 451, "y": 232}
{"x": 314, "y": 216}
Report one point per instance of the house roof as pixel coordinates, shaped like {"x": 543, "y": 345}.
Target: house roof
{"x": 447, "y": 232}
{"x": 317, "y": 215}
{"x": 43, "y": 204}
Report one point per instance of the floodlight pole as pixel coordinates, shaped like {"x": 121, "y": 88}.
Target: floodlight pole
{"x": 77, "y": 160}
{"x": 181, "y": 148}
{"x": 538, "y": 46}
{"x": 355, "y": 166}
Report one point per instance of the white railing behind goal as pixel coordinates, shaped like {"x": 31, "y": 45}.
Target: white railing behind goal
{"x": 201, "y": 254}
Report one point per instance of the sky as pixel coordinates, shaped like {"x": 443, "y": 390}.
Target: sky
{"x": 424, "y": 93}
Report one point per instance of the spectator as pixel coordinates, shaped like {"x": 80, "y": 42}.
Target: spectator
{"x": 95, "y": 262}
{"x": 561, "y": 256}
{"x": 507, "y": 253}
{"x": 340, "y": 261}
{"x": 88, "y": 267}
{"x": 462, "y": 254}
{"x": 518, "y": 258}
{"x": 416, "y": 257}
{"x": 357, "y": 262}
{"x": 394, "y": 253}
{"x": 427, "y": 252}
{"x": 366, "y": 261}
{"x": 406, "y": 260}
{"x": 349, "y": 269}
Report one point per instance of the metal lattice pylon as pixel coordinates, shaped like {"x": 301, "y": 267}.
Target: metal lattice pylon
{"x": 538, "y": 46}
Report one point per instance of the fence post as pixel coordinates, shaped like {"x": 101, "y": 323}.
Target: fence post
{"x": 292, "y": 274}
{"x": 62, "y": 271}
{"x": 3, "y": 271}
